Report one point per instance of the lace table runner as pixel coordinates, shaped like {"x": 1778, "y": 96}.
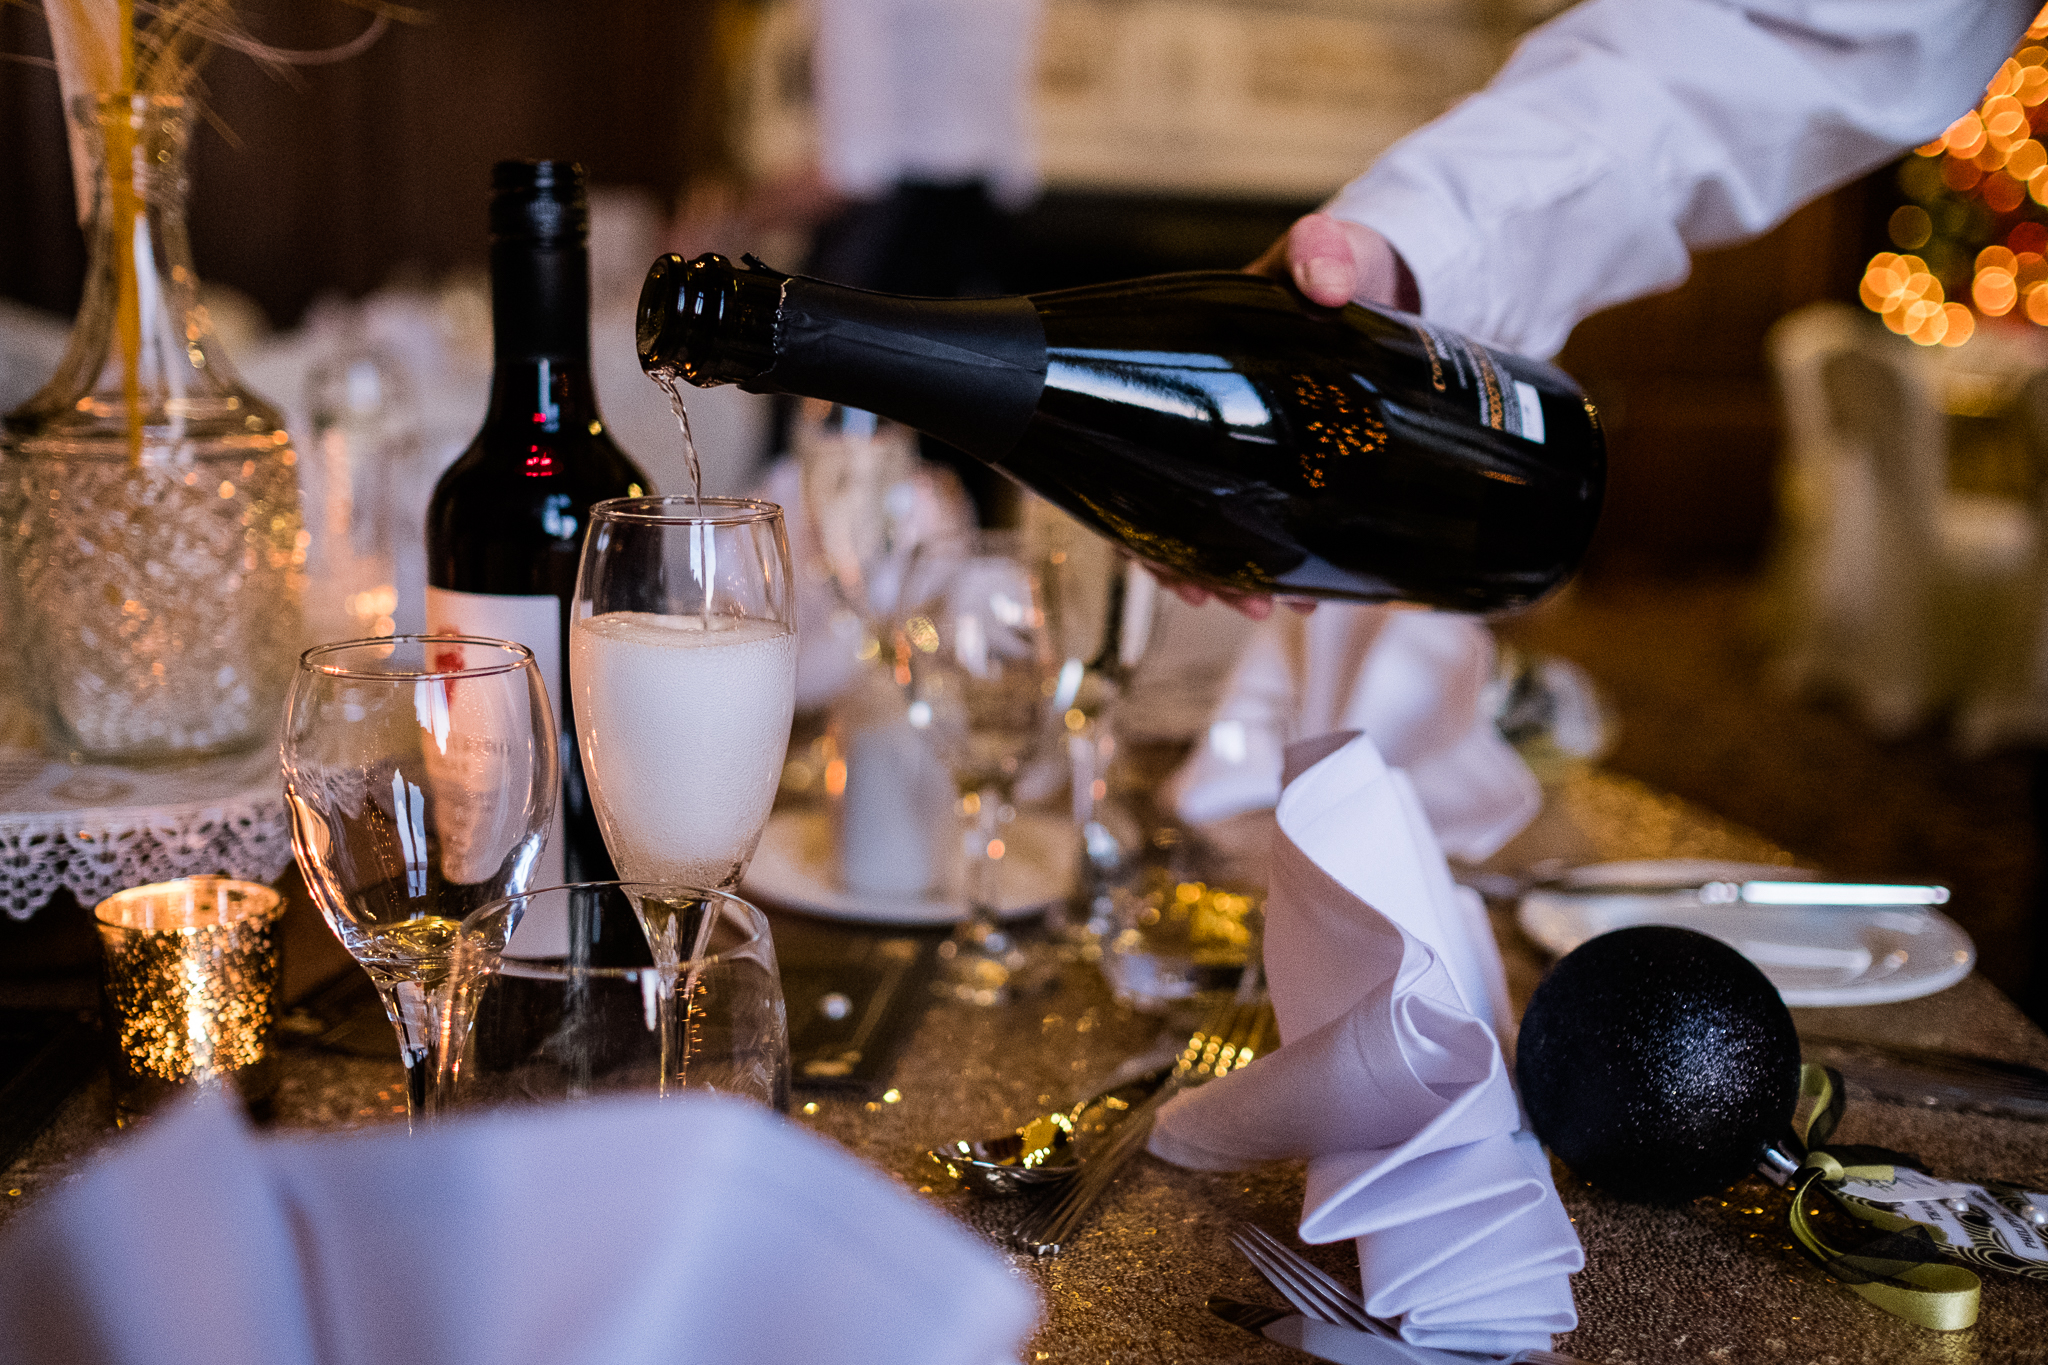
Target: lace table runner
{"x": 94, "y": 829}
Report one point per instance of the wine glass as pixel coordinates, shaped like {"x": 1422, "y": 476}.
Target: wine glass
{"x": 682, "y": 661}
{"x": 420, "y": 771}
{"x": 870, "y": 503}
{"x": 979, "y": 665}
{"x": 1099, "y": 608}
{"x": 555, "y": 986}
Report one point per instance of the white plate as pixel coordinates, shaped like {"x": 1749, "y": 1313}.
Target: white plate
{"x": 796, "y": 867}
{"x": 1814, "y": 955}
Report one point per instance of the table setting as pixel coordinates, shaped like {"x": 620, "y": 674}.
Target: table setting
{"x": 1232, "y": 1025}
{"x": 1436, "y": 1217}
{"x": 964, "y": 991}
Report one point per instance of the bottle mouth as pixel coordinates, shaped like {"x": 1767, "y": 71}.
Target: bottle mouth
{"x": 707, "y": 320}
{"x": 543, "y": 202}
{"x": 660, "y": 345}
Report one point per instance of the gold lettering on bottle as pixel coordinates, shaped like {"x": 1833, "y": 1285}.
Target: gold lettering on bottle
{"x": 1336, "y": 425}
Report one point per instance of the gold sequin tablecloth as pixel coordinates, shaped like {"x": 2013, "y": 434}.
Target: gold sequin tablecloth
{"x": 1714, "y": 1281}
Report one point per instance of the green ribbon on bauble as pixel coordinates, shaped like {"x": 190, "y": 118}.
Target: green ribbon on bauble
{"x": 1905, "y": 1270}
{"x": 1660, "y": 1065}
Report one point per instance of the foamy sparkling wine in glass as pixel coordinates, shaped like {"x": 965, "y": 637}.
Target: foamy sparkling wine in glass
{"x": 682, "y": 657}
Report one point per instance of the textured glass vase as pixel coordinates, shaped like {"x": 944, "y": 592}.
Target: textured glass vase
{"x": 149, "y": 513}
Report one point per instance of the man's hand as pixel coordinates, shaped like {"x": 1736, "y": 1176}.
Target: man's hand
{"x": 1334, "y": 262}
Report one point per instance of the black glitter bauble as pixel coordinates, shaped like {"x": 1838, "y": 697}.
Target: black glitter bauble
{"x": 1658, "y": 1063}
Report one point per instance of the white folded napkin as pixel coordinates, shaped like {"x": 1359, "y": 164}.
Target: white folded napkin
{"x": 1413, "y": 680}
{"x": 1388, "y": 987}
{"x": 698, "y": 1229}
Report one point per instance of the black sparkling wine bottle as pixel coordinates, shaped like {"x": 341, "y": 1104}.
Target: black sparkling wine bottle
{"x": 505, "y": 527}
{"x": 1216, "y": 424}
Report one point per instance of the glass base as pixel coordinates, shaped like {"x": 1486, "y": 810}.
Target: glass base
{"x": 984, "y": 965}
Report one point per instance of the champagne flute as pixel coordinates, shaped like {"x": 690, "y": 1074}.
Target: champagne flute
{"x": 979, "y": 664}
{"x": 871, "y": 502}
{"x": 420, "y": 771}
{"x": 682, "y": 663}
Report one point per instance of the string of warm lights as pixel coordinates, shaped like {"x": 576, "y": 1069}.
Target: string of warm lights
{"x": 1985, "y": 177}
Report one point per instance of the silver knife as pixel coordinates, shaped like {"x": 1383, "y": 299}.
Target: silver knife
{"x": 1346, "y": 1345}
{"x": 1934, "y": 1079}
{"x": 1833, "y": 894}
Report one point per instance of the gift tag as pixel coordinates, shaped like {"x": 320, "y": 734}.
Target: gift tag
{"x": 1992, "y": 1224}
{"x": 1904, "y": 1185}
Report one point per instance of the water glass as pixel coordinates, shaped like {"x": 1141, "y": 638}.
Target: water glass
{"x": 569, "y": 993}
{"x": 976, "y": 658}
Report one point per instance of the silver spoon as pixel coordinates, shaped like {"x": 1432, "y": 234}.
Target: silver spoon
{"x": 1048, "y": 1149}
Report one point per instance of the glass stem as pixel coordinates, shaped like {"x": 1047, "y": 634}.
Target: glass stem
{"x": 981, "y": 928}
{"x": 668, "y": 925}
{"x": 411, "y": 1007}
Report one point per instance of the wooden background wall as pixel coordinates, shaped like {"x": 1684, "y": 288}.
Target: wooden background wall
{"x": 351, "y": 169}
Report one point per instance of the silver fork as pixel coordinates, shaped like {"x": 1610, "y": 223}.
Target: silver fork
{"x": 1311, "y": 1291}
{"x": 1316, "y": 1295}
{"x": 1229, "y": 1038}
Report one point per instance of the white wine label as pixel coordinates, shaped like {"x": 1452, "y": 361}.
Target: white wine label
{"x": 1513, "y": 407}
{"x": 531, "y": 620}
{"x": 1531, "y": 403}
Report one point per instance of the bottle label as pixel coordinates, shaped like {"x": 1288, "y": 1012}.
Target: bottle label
{"x": 1505, "y": 404}
{"x": 536, "y": 622}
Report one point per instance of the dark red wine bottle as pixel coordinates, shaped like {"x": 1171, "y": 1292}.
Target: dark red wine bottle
{"x": 1216, "y": 424}
{"x": 505, "y": 526}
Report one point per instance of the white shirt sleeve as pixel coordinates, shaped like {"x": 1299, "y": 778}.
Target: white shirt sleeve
{"x": 1624, "y": 134}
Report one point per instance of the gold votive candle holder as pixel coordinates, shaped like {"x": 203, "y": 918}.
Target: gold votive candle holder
{"x": 192, "y": 984}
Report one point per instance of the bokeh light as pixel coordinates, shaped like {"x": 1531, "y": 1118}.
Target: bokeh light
{"x": 1966, "y": 187}
{"x": 2037, "y": 305}
{"x": 1965, "y": 137}
{"x": 1994, "y": 292}
{"x": 1959, "y": 325}
{"x": 1960, "y": 175}
{"x": 2003, "y": 193}
{"x": 1910, "y": 227}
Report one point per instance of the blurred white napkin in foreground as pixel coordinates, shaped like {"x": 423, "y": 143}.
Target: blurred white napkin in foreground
{"x": 1413, "y": 680}
{"x": 1387, "y": 987}
{"x": 613, "y": 1233}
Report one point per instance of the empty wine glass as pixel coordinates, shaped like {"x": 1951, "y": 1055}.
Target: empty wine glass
{"x": 870, "y": 503}
{"x": 1099, "y": 607}
{"x": 978, "y": 662}
{"x": 420, "y": 772}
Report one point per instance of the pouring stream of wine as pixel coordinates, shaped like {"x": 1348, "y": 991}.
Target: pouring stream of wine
{"x": 667, "y": 379}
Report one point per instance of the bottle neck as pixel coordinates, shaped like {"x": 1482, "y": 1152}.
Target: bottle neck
{"x": 542, "y": 396}
{"x": 968, "y": 371}
{"x": 540, "y": 332}
{"x": 540, "y": 302}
